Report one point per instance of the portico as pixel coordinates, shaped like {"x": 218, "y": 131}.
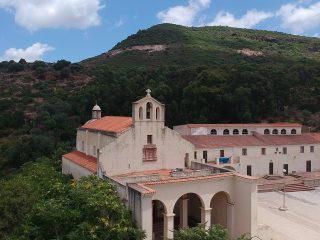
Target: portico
{"x": 181, "y": 203}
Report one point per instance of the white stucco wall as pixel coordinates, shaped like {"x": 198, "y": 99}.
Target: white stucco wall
{"x": 125, "y": 154}
{"x": 260, "y": 163}
{"x": 92, "y": 139}
{"x": 245, "y": 207}
{"x": 68, "y": 167}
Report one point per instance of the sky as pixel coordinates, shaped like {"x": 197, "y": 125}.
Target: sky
{"x": 74, "y": 30}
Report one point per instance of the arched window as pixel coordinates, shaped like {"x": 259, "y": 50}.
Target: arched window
{"x": 149, "y": 110}
{"x": 293, "y": 131}
{"x": 275, "y": 131}
{"x": 226, "y": 132}
{"x": 235, "y": 132}
{"x": 245, "y": 131}
{"x": 213, "y": 132}
{"x": 283, "y": 131}
{"x": 266, "y": 131}
{"x": 140, "y": 113}
{"x": 157, "y": 113}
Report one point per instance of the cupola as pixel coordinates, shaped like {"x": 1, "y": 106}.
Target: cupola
{"x": 96, "y": 112}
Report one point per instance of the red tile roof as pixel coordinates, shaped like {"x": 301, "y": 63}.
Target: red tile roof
{"x": 83, "y": 160}
{"x": 246, "y": 125}
{"x": 288, "y": 139}
{"x": 210, "y": 141}
{"x": 114, "y": 124}
{"x": 141, "y": 188}
{"x": 316, "y": 136}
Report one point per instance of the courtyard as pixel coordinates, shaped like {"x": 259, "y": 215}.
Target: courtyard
{"x": 301, "y": 220}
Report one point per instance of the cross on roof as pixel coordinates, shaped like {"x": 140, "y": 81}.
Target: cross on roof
{"x": 148, "y": 92}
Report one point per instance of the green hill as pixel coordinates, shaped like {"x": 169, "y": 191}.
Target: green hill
{"x": 185, "y": 46}
{"x": 205, "y": 74}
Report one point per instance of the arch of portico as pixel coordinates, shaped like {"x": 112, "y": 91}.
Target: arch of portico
{"x": 187, "y": 211}
{"x": 159, "y": 211}
{"x": 195, "y": 207}
{"x": 221, "y": 212}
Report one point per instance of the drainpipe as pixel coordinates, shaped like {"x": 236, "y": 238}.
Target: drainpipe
{"x": 98, "y": 155}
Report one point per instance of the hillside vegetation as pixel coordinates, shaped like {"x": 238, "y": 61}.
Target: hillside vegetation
{"x": 207, "y": 74}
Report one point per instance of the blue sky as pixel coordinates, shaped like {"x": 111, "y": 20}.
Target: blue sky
{"x": 77, "y": 29}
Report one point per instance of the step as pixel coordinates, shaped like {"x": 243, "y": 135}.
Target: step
{"x": 296, "y": 188}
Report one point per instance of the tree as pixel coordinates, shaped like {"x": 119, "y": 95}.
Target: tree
{"x": 215, "y": 232}
{"x": 61, "y": 64}
{"x": 42, "y": 203}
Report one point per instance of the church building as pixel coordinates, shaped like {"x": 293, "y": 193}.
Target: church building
{"x": 169, "y": 179}
{"x": 254, "y": 149}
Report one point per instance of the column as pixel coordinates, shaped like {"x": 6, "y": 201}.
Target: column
{"x": 184, "y": 213}
{"x": 87, "y": 143}
{"x": 146, "y": 216}
{"x": 206, "y": 216}
{"x": 230, "y": 220}
{"x": 168, "y": 226}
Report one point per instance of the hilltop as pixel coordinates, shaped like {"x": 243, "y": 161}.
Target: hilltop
{"x": 168, "y": 44}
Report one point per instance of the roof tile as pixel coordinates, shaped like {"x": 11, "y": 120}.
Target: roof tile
{"x": 214, "y": 141}
{"x": 114, "y": 124}
{"x": 83, "y": 160}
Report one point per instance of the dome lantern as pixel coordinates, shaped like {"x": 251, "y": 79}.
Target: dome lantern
{"x": 96, "y": 112}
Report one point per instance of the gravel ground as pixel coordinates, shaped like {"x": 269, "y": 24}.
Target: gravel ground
{"x": 300, "y": 222}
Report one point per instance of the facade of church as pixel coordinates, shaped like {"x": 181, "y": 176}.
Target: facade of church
{"x": 164, "y": 176}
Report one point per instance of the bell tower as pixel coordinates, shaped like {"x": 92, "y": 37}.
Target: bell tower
{"x": 148, "y": 110}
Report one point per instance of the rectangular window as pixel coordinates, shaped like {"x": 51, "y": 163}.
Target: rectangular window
{"x": 195, "y": 155}
{"x": 311, "y": 149}
{"x": 308, "y": 166}
{"x": 94, "y": 150}
{"x": 205, "y": 156}
{"x": 149, "y": 139}
{"x": 301, "y": 149}
{"x": 286, "y": 169}
{"x": 284, "y": 150}
{"x": 263, "y": 151}
{"x": 221, "y": 153}
{"x": 249, "y": 170}
{"x": 244, "y": 152}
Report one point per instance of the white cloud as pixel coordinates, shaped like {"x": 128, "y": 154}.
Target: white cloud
{"x": 119, "y": 23}
{"x": 183, "y": 15}
{"x": 300, "y": 19}
{"x": 249, "y": 20}
{"x": 37, "y": 14}
{"x": 30, "y": 54}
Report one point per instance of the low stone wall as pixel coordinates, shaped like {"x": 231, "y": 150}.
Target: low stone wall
{"x": 195, "y": 173}
{"x": 311, "y": 182}
{"x": 204, "y": 166}
{"x": 142, "y": 178}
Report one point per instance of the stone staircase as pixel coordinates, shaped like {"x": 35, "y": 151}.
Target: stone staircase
{"x": 296, "y": 187}
{"x": 289, "y": 187}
